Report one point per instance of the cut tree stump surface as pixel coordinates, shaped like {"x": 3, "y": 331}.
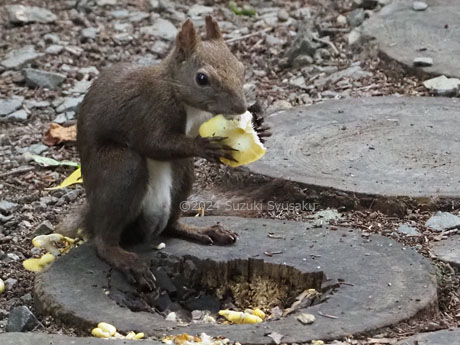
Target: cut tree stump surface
{"x": 387, "y": 283}
{"x": 444, "y": 337}
{"x": 379, "y": 147}
{"x": 448, "y": 250}
{"x": 403, "y": 34}
{"x": 54, "y": 339}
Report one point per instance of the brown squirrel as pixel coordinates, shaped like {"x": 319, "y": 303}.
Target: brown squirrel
{"x": 137, "y": 132}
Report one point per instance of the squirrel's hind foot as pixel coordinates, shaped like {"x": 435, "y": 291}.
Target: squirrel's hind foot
{"x": 215, "y": 234}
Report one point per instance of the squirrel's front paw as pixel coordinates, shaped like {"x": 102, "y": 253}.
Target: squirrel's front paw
{"x": 258, "y": 122}
{"x": 212, "y": 149}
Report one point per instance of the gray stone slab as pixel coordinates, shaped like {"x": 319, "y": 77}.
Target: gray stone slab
{"x": 444, "y": 337}
{"x": 54, "y": 339}
{"x": 368, "y": 150}
{"x": 448, "y": 250}
{"x": 404, "y": 34}
{"x": 389, "y": 283}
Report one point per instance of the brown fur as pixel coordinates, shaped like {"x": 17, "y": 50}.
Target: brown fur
{"x": 134, "y": 113}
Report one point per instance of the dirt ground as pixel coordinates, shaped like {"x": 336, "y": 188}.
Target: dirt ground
{"x": 24, "y": 182}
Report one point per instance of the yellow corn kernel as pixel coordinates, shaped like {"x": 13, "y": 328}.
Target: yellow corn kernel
{"x": 107, "y": 327}
{"x": 99, "y": 333}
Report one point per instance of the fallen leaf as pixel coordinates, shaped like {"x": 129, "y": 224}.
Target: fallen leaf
{"x": 74, "y": 178}
{"x": 45, "y": 161}
{"x": 58, "y": 134}
{"x": 276, "y": 337}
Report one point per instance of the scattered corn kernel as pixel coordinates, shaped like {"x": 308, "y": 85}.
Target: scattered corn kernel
{"x": 256, "y": 312}
{"x": 99, "y": 333}
{"x": 240, "y": 317}
{"x": 2, "y": 286}
{"x": 317, "y": 342}
{"x": 36, "y": 265}
{"x": 107, "y": 327}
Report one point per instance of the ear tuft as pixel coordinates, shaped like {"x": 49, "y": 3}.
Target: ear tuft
{"x": 212, "y": 29}
{"x": 187, "y": 38}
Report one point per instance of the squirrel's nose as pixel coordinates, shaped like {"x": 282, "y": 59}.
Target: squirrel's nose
{"x": 240, "y": 107}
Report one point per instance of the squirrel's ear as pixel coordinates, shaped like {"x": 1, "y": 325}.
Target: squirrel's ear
{"x": 187, "y": 38}
{"x": 212, "y": 29}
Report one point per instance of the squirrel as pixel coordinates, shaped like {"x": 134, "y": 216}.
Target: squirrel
{"x": 137, "y": 133}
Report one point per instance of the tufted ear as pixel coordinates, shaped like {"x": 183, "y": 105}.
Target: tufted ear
{"x": 187, "y": 38}
{"x": 212, "y": 29}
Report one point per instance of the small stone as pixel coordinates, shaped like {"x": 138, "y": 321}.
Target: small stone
{"x": 328, "y": 215}
{"x": 354, "y": 37}
{"x": 154, "y": 5}
{"x": 159, "y": 47}
{"x": 7, "y": 106}
{"x": 51, "y": 38}
{"x": 19, "y": 57}
{"x": 298, "y": 81}
{"x": 89, "y": 33}
{"x": 45, "y": 228}
{"x": 38, "y": 78}
{"x": 37, "y": 104}
{"x": 306, "y": 318}
{"x": 199, "y": 10}
{"x": 20, "y": 115}
{"x": 341, "y": 20}
{"x": 423, "y": 61}
{"x": 408, "y": 230}
{"x": 64, "y": 117}
{"x": 443, "y": 86}
{"x": 442, "y": 221}
{"x": 70, "y": 104}
{"x": 7, "y": 206}
{"x": 27, "y": 298}
{"x": 74, "y": 50}
{"x": 20, "y": 14}
{"x": 37, "y": 149}
{"x": 272, "y": 40}
{"x": 21, "y": 319}
{"x": 123, "y": 27}
{"x": 283, "y": 15}
{"x": 88, "y": 70}
{"x": 54, "y": 49}
{"x": 356, "y": 17}
{"x": 10, "y": 283}
{"x": 419, "y": 6}
{"x": 119, "y": 14}
{"x": 138, "y": 16}
{"x": 162, "y": 28}
{"x": 12, "y": 257}
{"x": 165, "y": 5}
{"x": 106, "y": 2}
{"x": 171, "y": 317}
{"x": 81, "y": 86}
{"x": 122, "y": 38}
{"x": 302, "y": 61}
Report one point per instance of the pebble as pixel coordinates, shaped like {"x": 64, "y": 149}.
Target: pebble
{"x": 283, "y": 15}
{"x": 119, "y": 14}
{"x": 419, "y": 6}
{"x": 10, "y": 283}
{"x": 19, "y": 57}
{"x": 138, "y": 16}
{"x": 45, "y": 228}
{"x": 341, "y": 20}
{"x": 423, "y": 61}
{"x": 106, "y": 2}
{"x": 37, "y": 104}
{"x": 354, "y": 37}
{"x": 51, "y": 38}
{"x": 38, "y": 78}
{"x": 356, "y": 17}
{"x": 199, "y": 10}
{"x": 7, "y": 106}
{"x": 89, "y": 33}
{"x": 408, "y": 230}
{"x": 123, "y": 27}
{"x": 21, "y": 319}
{"x": 19, "y": 14}
{"x": 442, "y": 221}
{"x": 81, "y": 86}
{"x": 64, "y": 117}
{"x": 37, "y": 149}
{"x": 70, "y": 104}
{"x": 122, "y": 38}
{"x": 443, "y": 86}
{"x": 159, "y": 47}
{"x": 17, "y": 116}
{"x": 74, "y": 50}
{"x": 298, "y": 81}
{"x": 54, "y": 49}
{"x": 162, "y": 28}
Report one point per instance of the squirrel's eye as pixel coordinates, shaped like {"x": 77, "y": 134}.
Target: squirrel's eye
{"x": 202, "y": 79}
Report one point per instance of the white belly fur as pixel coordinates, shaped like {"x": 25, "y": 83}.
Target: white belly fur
{"x": 195, "y": 117}
{"x": 157, "y": 200}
